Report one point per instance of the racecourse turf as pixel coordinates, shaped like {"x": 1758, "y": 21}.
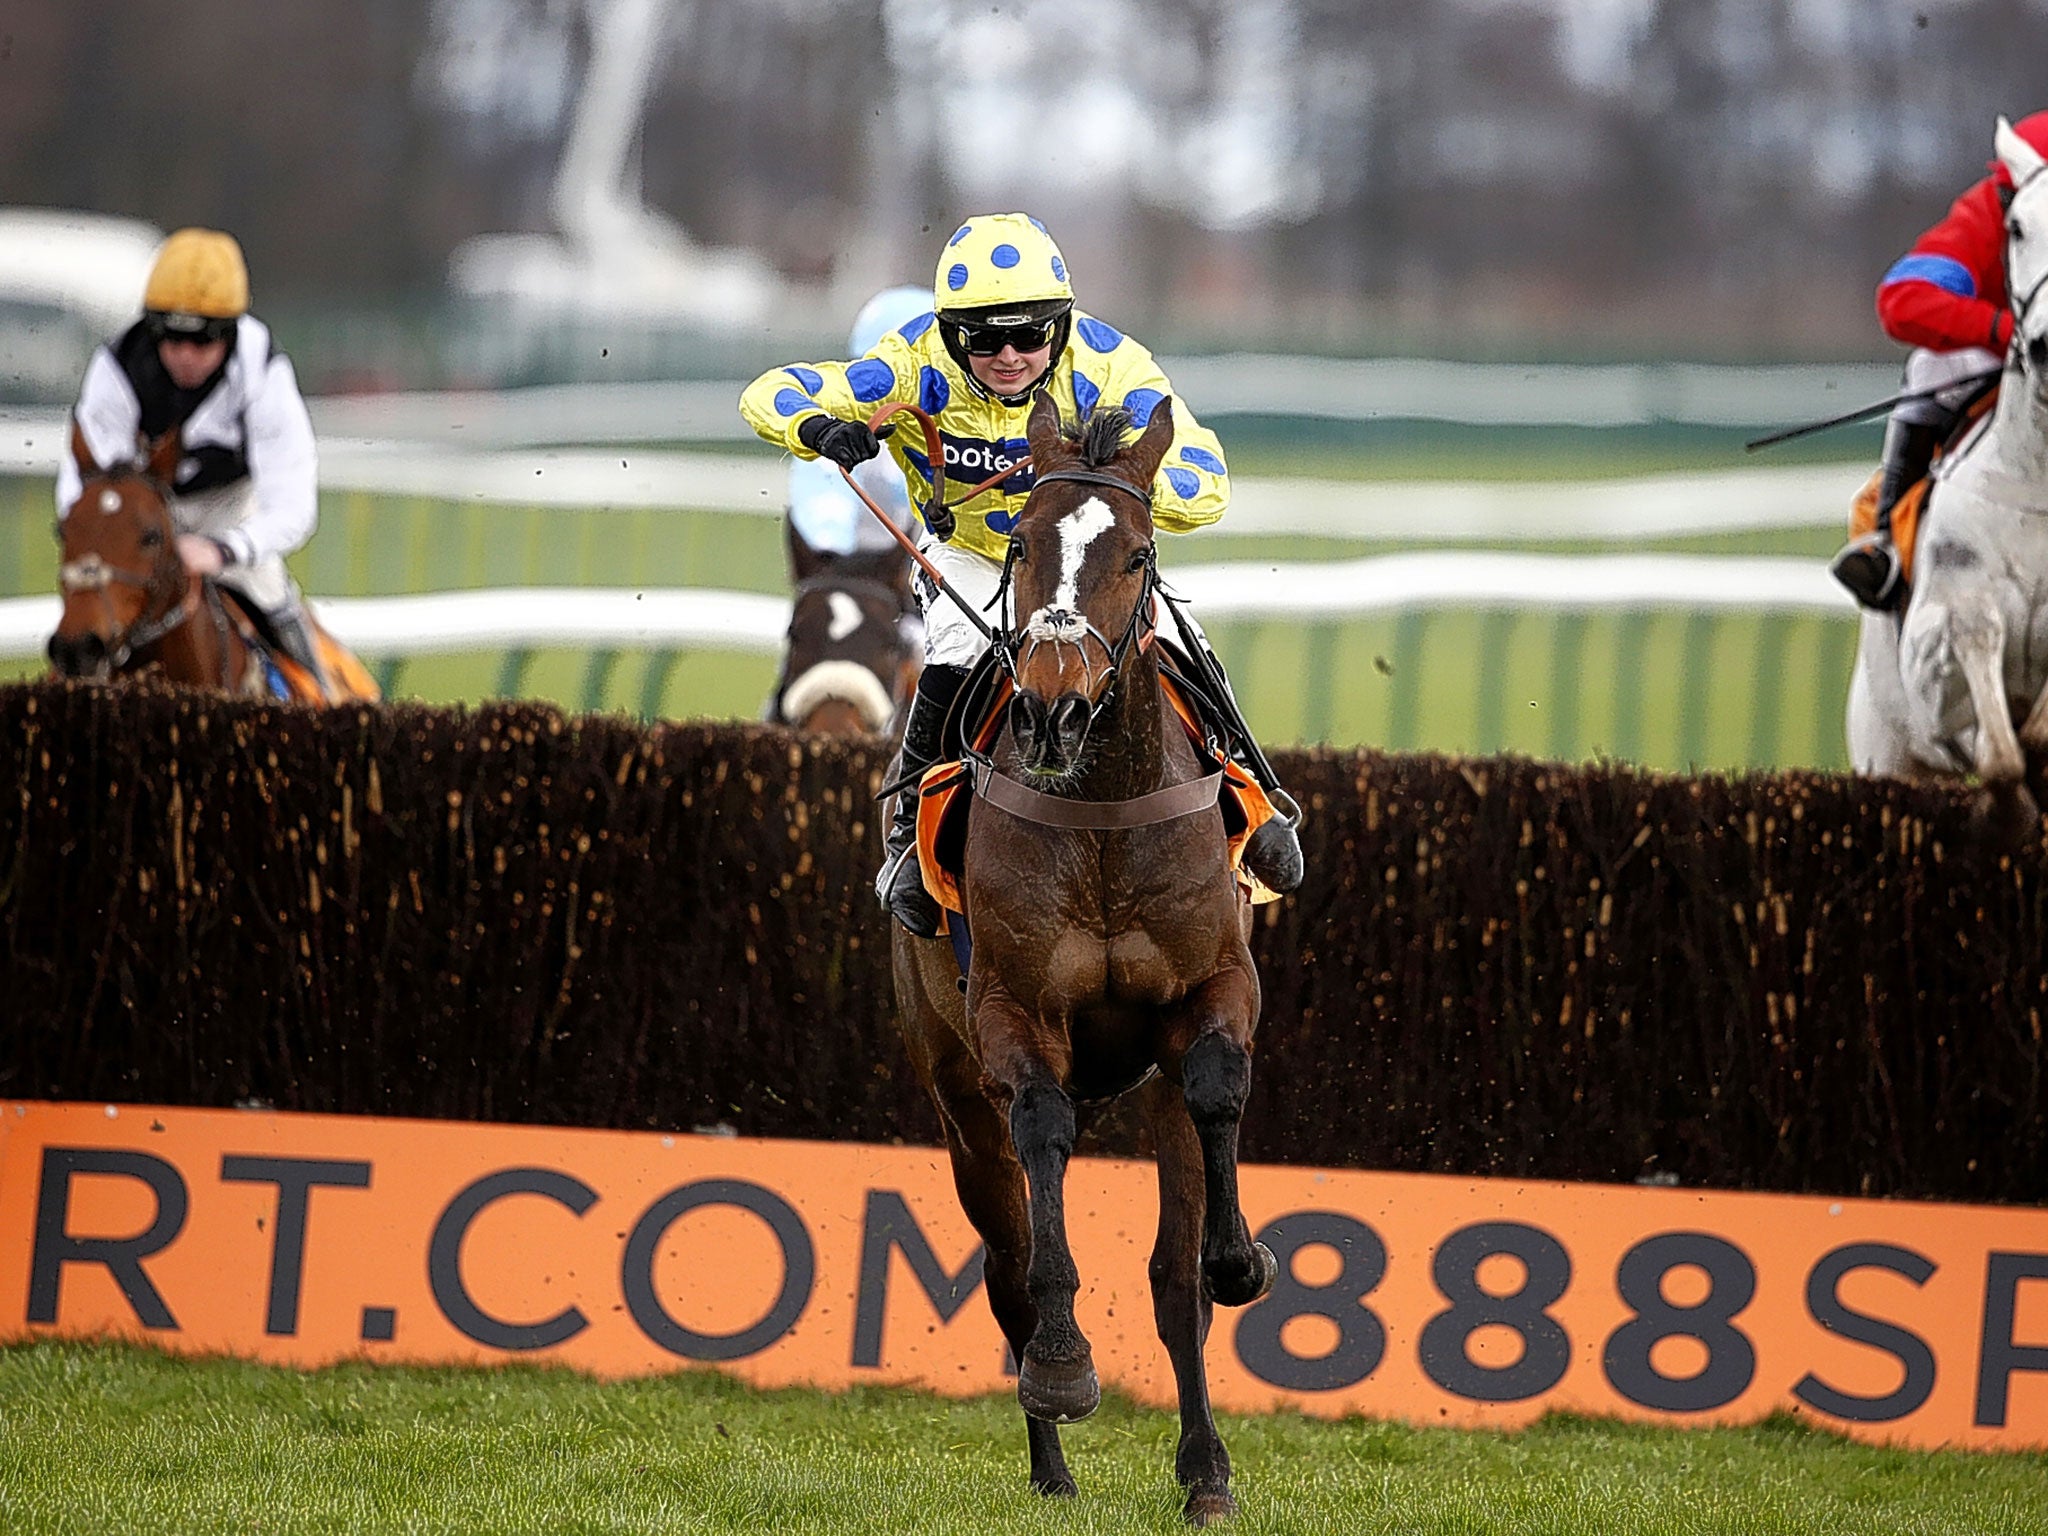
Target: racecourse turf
{"x": 104, "y": 1437}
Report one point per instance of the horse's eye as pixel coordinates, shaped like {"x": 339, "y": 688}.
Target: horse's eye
{"x": 1017, "y": 544}
{"x": 1137, "y": 562}
{"x": 2012, "y": 228}
{"x": 151, "y": 538}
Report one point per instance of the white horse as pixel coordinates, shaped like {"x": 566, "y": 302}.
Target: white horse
{"x": 1937, "y": 692}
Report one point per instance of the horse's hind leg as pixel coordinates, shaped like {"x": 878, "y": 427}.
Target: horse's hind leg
{"x": 1216, "y": 1079}
{"x": 990, "y": 1183}
{"x": 1180, "y": 1308}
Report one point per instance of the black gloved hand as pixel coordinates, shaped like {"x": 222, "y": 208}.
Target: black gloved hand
{"x": 939, "y": 518}
{"x": 849, "y": 444}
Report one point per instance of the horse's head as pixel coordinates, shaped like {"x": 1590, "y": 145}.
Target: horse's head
{"x": 849, "y": 660}
{"x": 120, "y": 572}
{"x": 1082, "y": 569}
{"x": 2026, "y": 251}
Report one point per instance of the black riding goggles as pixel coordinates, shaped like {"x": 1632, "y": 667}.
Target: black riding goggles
{"x": 987, "y": 340}
{"x": 199, "y": 329}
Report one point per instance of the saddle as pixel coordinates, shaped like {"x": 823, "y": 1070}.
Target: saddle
{"x": 975, "y": 721}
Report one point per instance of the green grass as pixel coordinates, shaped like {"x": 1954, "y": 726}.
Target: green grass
{"x": 103, "y": 1437}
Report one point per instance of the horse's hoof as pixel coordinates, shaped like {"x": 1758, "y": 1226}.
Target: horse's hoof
{"x": 1207, "y": 1504}
{"x": 1239, "y": 1285}
{"x": 1060, "y": 1392}
{"x": 1059, "y": 1487}
{"x": 1269, "y": 1269}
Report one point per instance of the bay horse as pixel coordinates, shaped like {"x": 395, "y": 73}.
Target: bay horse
{"x": 1108, "y": 956}
{"x": 1937, "y": 690}
{"x": 850, "y": 661}
{"x": 129, "y": 602}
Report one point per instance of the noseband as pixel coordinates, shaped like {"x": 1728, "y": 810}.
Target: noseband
{"x": 1015, "y": 645}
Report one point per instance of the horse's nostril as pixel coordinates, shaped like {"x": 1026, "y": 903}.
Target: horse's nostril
{"x": 1070, "y": 718}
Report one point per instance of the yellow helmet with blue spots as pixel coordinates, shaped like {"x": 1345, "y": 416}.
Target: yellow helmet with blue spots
{"x": 1002, "y": 272}
{"x": 1000, "y": 260}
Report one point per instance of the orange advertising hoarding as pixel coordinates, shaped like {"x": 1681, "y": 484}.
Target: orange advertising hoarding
{"x": 304, "y": 1239}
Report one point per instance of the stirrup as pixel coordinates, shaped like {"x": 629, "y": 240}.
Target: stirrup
{"x": 905, "y": 898}
{"x": 1870, "y": 568}
{"x": 1273, "y": 855}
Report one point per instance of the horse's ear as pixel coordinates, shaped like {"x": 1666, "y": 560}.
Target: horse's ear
{"x": 81, "y": 453}
{"x": 1146, "y": 453}
{"x": 2019, "y": 157}
{"x": 163, "y": 455}
{"x": 1043, "y": 430}
{"x": 804, "y": 561}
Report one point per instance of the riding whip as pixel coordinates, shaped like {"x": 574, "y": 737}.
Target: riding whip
{"x": 1863, "y": 413}
{"x": 935, "y": 453}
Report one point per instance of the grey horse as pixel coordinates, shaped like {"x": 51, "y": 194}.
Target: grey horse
{"x": 1937, "y": 691}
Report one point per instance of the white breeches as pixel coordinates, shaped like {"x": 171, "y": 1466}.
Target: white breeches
{"x": 1928, "y": 369}
{"x": 266, "y": 582}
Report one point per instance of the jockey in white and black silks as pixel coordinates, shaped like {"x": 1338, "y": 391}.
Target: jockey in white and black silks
{"x": 1003, "y": 327}
{"x": 246, "y": 492}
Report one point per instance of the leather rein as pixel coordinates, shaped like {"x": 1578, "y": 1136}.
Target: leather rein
{"x": 1027, "y": 804}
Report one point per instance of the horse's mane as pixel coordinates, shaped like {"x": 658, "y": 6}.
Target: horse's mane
{"x": 1101, "y": 437}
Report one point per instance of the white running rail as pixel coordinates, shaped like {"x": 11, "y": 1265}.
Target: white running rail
{"x": 680, "y": 619}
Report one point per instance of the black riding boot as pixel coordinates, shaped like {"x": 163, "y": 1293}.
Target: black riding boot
{"x": 1273, "y": 852}
{"x": 1870, "y": 567}
{"x": 900, "y": 885}
{"x": 296, "y": 641}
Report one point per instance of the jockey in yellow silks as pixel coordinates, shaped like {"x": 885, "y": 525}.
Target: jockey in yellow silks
{"x": 1003, "y": 327}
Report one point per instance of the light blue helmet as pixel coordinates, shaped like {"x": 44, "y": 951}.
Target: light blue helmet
{"x": 887, "y": 310}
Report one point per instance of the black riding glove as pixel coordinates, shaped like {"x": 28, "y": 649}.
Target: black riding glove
{"x": 939, "y": 518}
{"x": 849, "y": 444}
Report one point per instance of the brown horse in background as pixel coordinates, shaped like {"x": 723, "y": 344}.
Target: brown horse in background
{"x": 129, "y": 602}
{"x": 849, "y": 660}
{"x": 1109, "y": 955}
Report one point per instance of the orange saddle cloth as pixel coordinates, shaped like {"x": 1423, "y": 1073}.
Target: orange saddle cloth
{"x": 349, "y": 681}
{"x": 947, "y": 789}
{"x": 1905, "y": 517}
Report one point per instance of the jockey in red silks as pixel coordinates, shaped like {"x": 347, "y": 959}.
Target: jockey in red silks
{"x": 1002, "y": 327}
{"x": 1946, "y": 299}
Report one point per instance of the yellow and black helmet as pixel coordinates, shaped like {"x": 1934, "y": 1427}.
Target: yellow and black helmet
{"x": 199, "y": 286}
{"x": 1000, "y": 277}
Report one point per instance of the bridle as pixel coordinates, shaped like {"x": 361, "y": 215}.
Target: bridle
{"x": 92, "y": 573}
{"x": 2018, "y": 303}
{"x": 1015, "y": 645}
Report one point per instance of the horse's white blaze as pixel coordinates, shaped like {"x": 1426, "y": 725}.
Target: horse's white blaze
{"x": 845, "y": 616}
{"x": 847, "y": 680}
{"x": 110, "y": 501}
{"x": 1079, "y": 529}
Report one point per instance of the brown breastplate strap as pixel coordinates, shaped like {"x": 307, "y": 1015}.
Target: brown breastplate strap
{"x": 1028, "y": 804}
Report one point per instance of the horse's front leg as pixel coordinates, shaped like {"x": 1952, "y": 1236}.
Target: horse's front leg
{"x": 1056, "y": 1377}
{"x": 1964, "y": 641}
{"x": 1180, "y": 1307}
{"x": 1215, "y": 1071}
